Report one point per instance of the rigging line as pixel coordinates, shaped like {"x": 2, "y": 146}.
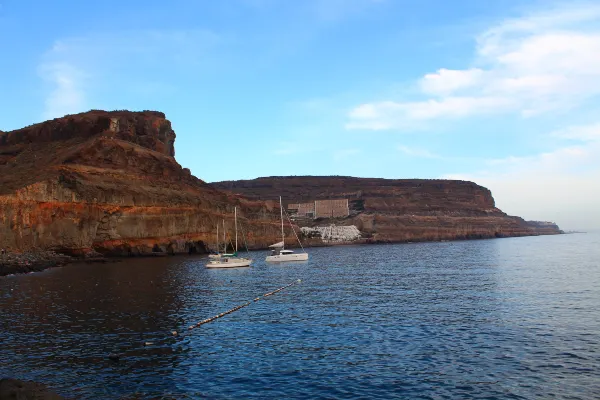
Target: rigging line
{"x": 292, "y": 225}
{"x": 244, "y": 237}
{"x": 234, "y": 309}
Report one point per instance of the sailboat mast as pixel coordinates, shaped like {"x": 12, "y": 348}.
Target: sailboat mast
{"x": 282, "y": 234}
{"x": 235, "y": 218}
{"x": 224, "y": 239}
{"x": 218, "y": 250}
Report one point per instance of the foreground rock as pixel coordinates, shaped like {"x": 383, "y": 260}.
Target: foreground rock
{"x": 14, "y": 389}
{"x": 398, "y": 210}
{"x": 23, "y": 263}
{"x": 109, "y": 182}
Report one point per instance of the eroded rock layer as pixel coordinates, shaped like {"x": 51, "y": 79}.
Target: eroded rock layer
{"x": 390, "y": 210}
{"x": 109, "y": 181}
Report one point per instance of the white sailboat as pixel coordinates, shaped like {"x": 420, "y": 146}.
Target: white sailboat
{"x": 218, "y": 255}
{"x": 229, "y": 260}
{"x": 279, "y": 253}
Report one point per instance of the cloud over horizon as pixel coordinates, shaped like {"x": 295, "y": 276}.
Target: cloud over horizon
{"x": 544, "y": 63}
{"x": 536, "y": 64}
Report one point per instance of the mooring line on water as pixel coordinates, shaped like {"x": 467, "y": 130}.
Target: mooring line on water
{"x": 237, "y": 308}
{"x": 116, "y": 357}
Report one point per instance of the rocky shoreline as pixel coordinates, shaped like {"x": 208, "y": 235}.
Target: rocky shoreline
{"x": 33, "y": 261}
{"x": 36, "y": 261}
{"x": 14, "y": 389}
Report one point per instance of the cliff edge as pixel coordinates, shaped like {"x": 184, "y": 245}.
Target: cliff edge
{"x": 108, "y": 181}
{"x": 397, "y": 210}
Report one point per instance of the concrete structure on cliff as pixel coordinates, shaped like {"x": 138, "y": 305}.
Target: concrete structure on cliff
{"x": 337, "y": 208}
{"x": 333, "y": 233}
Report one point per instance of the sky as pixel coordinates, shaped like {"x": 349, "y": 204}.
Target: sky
{"x": 504, "y": 93}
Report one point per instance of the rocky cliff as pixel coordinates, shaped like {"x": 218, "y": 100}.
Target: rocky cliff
{"x": 108, "y": 181}
{"x": 390, "y": 210}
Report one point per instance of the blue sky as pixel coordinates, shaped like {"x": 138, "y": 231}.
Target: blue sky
{"x": 504, "y": 93}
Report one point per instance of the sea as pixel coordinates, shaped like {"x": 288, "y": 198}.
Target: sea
{"x": 513, "y": 318}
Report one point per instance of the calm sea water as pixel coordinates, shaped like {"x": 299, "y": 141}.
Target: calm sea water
{"x": 497, "y": 319}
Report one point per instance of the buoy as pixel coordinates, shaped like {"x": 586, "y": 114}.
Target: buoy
{"x": 174, "y": 333}
{"x": 148, "y": 344}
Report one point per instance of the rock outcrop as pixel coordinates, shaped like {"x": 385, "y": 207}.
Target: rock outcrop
{"x": 399, "y": 210}
{"x": 109, "y": 182}
{"x": 14, "y": 389}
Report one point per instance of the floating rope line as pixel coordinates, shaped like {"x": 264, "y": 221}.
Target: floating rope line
{"x": 116, "y": 357}
{"x": 211, "y": 319}
{"x": 234, "y": 309}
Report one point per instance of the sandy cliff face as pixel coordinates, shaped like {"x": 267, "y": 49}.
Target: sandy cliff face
{"x": 400, "y": 209}
{"x": 109, "y": 181}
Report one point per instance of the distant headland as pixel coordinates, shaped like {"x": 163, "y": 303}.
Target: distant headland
{"x": 108, "y": 183}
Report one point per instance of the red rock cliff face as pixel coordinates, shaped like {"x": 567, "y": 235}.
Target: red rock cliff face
{"x": 109, "y": 181}
{"x": 400, "y": 209}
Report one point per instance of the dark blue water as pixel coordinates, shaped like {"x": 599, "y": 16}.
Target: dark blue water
{"x": 497, "y": 319}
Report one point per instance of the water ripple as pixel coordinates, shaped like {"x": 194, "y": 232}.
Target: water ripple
{"x": 496, "y": 319}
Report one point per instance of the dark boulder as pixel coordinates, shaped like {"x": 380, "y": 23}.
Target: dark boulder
{"x": 14, "y": 389}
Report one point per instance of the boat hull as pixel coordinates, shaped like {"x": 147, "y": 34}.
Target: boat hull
{"x": 229, "y": 263}
{"x": 287, "y": 257}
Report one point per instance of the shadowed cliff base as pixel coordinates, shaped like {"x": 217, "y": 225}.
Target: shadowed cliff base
{"x": 14, "y": 389}
{"x": 108, "y": 182}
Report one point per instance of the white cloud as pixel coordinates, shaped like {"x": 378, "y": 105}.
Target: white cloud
{"x": 67, "y": 93}
{"x": 562, "y": 185}
{"x": 343, "y": 154}
{"x": 583, "y": 132}
{"x": 446, "y": 81}
{"x": 335, "y": 10}
{"x": 417, "y": 152}
{"x": 287, "y": 148}
{"x": 529, "y": 66}
{"x": 567, "y": 199}
{"x": 73, "y": 66}
{"x": 388, "y": 114}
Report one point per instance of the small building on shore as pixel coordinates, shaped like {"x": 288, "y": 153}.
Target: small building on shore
{"x": 336, "y": 208}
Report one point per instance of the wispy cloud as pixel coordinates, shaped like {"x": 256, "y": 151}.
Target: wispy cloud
{"x": 66, "y": 95}
{"x": 529, "y": 66}
{"x": 75, "y": 67}
{"x": 586, "y": 133}
{"x": 417, "y": 152}
{"x": 324, "y": 12}
{"x": 334, "y": 10}
{"x": 344, "y": 154}
{"x": 286, "y": 148}
{"x": 562, "y": 184}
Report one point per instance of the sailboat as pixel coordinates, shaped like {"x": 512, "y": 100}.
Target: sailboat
{"x": 218, "y": 254}
{"x": 229, "y": 260}
{"x": 279, "y": 253}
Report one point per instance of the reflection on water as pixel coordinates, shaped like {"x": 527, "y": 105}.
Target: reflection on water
{"x": 499, "y": 318}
